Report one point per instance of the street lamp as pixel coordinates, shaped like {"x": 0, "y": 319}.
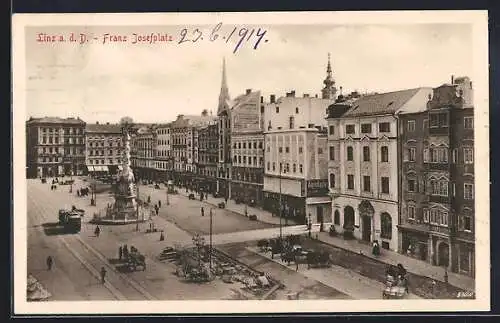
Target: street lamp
{"x": 280, "y": 208}
{"x": 310, "y": 225}
{"x": 212, "y": 211}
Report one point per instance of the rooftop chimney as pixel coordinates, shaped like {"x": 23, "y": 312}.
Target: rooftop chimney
{"x": 272, "y": 98}
{"x": 340, "y": 90}
{"x": 292, "y": 94}
{"x": 452, "y": 79}
{"x": 249, "y": 91}
{"x": 97, "y": 122}
{"x": 306, "y": 95}
{"x": 316, "y": 96}
{"x": 261, "y": 99}
{"x": 107, "y": 123}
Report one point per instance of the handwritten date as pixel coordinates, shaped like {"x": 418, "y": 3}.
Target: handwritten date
{"x": 242, "y": 35}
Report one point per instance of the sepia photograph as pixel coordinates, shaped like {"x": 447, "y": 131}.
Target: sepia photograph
{"x": 251, "y": 162}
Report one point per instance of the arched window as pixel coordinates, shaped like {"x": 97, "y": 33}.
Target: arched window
{"x": 385, "y": 226}
{"x": 332, "y": 180}
{"x": 384, "y": 153}
{"x": 350, "y": 154}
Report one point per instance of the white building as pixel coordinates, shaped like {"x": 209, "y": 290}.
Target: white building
{"x": 364, "y": 164}
{"x": 163, "y": 152}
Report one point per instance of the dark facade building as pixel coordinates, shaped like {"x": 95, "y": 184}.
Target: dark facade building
{"x": 208, "y": 152}
{"x": 143, "y": 153}
{"x": 437, "y": 179}
{"x": 104, "y": 148}
{"x": 55, "y": 147}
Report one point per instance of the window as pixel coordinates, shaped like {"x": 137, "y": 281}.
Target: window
{"x": 332, "y": 153}
{"x": 384, "y": 152}
{"x": 468, "y": 191}
{"x": 385, "y": 185}
{"x": 426, "y": 155}
{"x": 411, "y": 185}
{"x": 277, "y": 109}
{"x": 294, "y": 168}
{"x": 385, "y": 226}
{"x": 350, "y": 182}
{"x": 468, "y": 156}
{"x": 468, "y": 123}
{"x": 268, "y": 149}
{"x": 439, "y": 120}
{"x": 411, "y": 212}
{"x": 466, "y": 222}
{"x": 349, "y": 129}
{"x": 411, "y": 125}
{"x": 331, "y": 130}
{"x": 287, "y": 149}
{"x": 297, "y": 110}
{"x": 366, "y": 183}
{"x": 300, "y": 150}
{"x": 426, "y": 215}
{"x": 280, "y": 149}
{"x": 350, "y": 154}
{"x": 439, "y": 187}
{"x": 438, "y": 217}
{"x": 300, "y": 168}
{"x": 291, "y": 123}
{"x": 384, "y": 127}
{"x": 260, "y": 144}
{"x": 332, "y": 180}
{"x": 320, "y": 150}
{"x": 366, "y": 128}
{"x": 274, "y": 166}
{"x": 411, "y": 154}
{"x": 454, "y": 155}
{"x": 438, "y": 155}
{"x": 366, "y": 153}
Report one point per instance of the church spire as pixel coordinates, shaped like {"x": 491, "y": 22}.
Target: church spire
{"x": 329, "y": 91}
{"x": 224, "y": 91}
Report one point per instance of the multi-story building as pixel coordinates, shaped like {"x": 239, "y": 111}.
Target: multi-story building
{"x": 143, "y": 152}
{"x": 208, "y": 152}
{"x": 437, "y": 179}
{"x": 296, "y": 170}
{"x": 224, "y": 129}
{"x": 55, "y": 147}
{"x": 103, "y": 147}
{"x": 247, "y": 148}
{"x": 364, "y": 164}
{"x": 163, "y": 161}
{"x": 184, "y": 137}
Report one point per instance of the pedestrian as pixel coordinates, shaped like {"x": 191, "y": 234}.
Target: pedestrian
{"x": 149, "y": 199}
{"x": 159, "y": 204}
{"x": 97, "y": 231}
{"x": 157, "y": 210}
{"x": 125, "y": 252}
{"x": 162, "y": 236}
{"x": 103, "y": 275}
{"x": 50, "y": 262}
{"x": 202, "y": 211}
{"x": 296, "y": 263}
{"x": 120, "y": 253}
{"x": 446, "y": 275}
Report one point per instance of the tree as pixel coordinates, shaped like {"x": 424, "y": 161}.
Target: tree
{"x": 204, "y": 112}
{"x": 126, "y": 121}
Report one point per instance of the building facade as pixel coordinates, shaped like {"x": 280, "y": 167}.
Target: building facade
{"x": 208, "y": 151}
{"x": 163, "y": 161}
{"x": 437, "y": 179}
{"x": 55, "y": 147}
{"x": 296, "y": 175}
{"x": 143, "y": 153}
{"x": 247, "y": 148}
{"x": 364, "y": 165}
{"x": 103, "y": 148}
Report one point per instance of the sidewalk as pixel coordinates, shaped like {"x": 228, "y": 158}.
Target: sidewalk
{"x": 390, "y": 257}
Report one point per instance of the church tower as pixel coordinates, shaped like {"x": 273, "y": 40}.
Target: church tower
{"x": 224, "y": 91}
{"x": 329, "y": 91}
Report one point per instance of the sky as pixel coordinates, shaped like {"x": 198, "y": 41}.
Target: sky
{"x": 157, "y": 82}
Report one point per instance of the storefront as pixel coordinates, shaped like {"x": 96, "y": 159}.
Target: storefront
{"x": 414, "y": 243}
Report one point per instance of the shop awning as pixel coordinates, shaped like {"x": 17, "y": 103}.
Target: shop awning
{"x": 318, "y": 200}
{"x": 98, "y": 168}
{"x": 104, "y": 168}
{"x": 90, "y": 168}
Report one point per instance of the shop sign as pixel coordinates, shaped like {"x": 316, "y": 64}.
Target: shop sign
{"x": 317, "y": 187}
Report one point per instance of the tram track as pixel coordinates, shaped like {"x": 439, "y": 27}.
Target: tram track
{"x": 121, "y": 286}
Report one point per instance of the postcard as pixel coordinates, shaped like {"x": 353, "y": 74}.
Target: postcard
{"x": 263, "y": 162}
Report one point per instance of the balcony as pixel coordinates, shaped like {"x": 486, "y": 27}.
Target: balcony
{"x": 438, "y": 166}
{"x": 439, "y": 229}
{"x": 439, "y": 199}
{"x": 466, "y": 235}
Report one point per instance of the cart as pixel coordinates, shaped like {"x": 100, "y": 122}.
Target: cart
{"x": 135, "y": 260}
{"x": 394, "y": 289}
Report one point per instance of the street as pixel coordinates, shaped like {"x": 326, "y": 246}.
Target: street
{"x": 79, "y": 257}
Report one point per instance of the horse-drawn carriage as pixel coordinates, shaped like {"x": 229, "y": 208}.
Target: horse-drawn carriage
{"x": 396, "y": 284}
{"x": 134, "y": 259}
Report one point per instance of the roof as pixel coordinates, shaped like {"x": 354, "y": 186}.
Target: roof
{"x": 103, "y": 128}
{"x": 56, "y": 120}
{"x": 337, "y": 110}
{"x": 244, "y": 98}
{"x": 385, "y": 103}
